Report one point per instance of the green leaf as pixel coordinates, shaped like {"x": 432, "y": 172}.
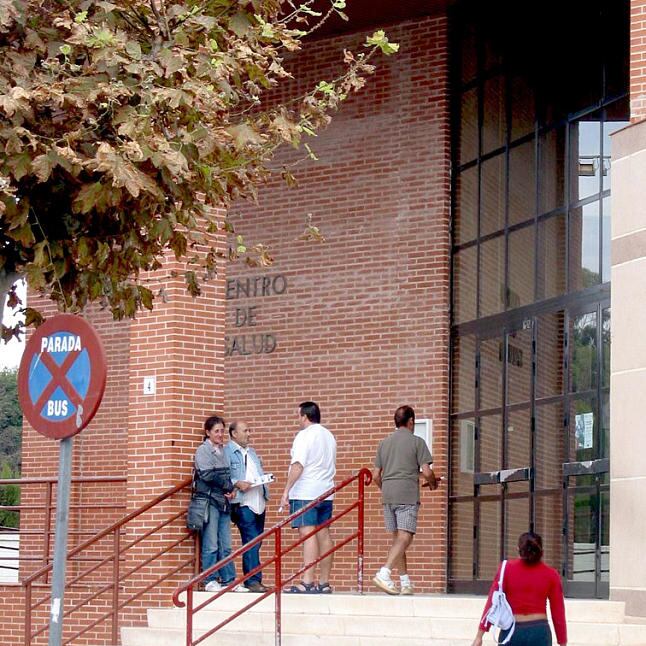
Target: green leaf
{"x": 379, "y": 39}
{"x": 240, "y": 24}
{"x": 134, "y": 49}
{"x": 20, "y": 164}
{"x": 43, "y": 166}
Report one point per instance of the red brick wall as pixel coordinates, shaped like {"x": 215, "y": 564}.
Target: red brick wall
{"x": 363, "y": 325}
{"x": 637, "y": 60}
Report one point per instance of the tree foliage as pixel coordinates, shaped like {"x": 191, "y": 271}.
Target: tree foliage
{"x": 125, "y": 125}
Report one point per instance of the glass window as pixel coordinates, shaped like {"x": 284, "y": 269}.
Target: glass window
{"x": 492, "y": 276}
{"x": 551, "y": 169}
{"x": 519, "y": 366}
{"x": 519, "y": 436}
{"x": 492, "y": 195}
{"x": 549, "y": 452}
{"x": 585, "y": 158}
{"x": 548, "y": 522}
{"x": 494, "y": 130}
{"x": 523, "y": 105}
{"x": 464, "y": 284}
{"x": 517, "y": 515}
{"x": 461, "y": 549}
{"x": 584, "y": 424}
{"x": 522, "y": 183}
{"x": 469, "y": 126}
{"x": 521, "y": 268}
{"x": 584, "y": 246}
{"x": 490, "y": 444}
{"x": 549, "y": 354}
{"x": 489, "y": 522}
{"x": 466, "y": 206}
{"x": 490, "y": 373}
{"x": 551, "y": 257}
{"x": 464, "y": 373}
{"x": 583, "y": 344}
{"x": 462, "y": 456}
{"x": 469, "y": 58}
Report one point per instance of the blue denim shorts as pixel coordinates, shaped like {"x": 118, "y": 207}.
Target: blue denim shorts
{"x": 313, "y": 517}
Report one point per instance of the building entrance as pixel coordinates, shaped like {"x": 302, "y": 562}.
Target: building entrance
{"x": 531, "y": 286}
{"x": 533, "y": 453}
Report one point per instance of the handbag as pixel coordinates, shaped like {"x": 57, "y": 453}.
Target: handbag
{"x": 500, "y": 614}
{"x": 197, "y": 513}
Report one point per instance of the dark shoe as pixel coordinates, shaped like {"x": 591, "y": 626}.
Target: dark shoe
{"x": 302, "y": 588}
{"x": 324, "y": 588}
{"x": 255, "y": 586}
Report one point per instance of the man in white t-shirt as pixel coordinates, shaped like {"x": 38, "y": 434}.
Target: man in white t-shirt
{"x": 311, "y": 474}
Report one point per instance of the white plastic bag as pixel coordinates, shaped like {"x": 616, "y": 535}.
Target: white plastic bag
{"x": 500, "y": 614}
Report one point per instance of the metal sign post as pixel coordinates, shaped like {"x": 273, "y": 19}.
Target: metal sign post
{"x": 60, "y": 545}
{"x": 61, "y": 383}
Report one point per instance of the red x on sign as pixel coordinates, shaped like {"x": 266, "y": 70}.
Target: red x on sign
{"x": 62, "y": 376}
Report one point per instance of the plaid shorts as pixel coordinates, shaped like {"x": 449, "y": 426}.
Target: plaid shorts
{"x": 401, "y": 517}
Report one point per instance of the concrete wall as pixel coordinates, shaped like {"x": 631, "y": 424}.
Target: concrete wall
{"x": 628, "y": 366}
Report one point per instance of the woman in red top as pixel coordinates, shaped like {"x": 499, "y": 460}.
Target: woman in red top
{"x": 528, "y": 584}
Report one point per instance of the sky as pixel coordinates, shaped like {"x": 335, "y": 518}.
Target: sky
{"x": 11, "y": 352}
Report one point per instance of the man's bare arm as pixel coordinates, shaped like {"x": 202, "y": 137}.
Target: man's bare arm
{"x": 295, "y": 472}
{"x": 428, "y": 474}
{"x": 376, "y": 476}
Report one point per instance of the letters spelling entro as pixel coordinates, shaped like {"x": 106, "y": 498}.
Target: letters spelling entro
{"x": 246, "y": 315}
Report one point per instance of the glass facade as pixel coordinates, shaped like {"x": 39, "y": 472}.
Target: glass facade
{"x": 534, "y": 105}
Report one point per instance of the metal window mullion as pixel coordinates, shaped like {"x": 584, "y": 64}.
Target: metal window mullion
{"x": 503, "y": 456}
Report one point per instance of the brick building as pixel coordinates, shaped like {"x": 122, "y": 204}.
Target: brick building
{"x": 465, "y": 198}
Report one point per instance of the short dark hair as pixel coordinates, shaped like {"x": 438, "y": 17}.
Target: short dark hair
{"x": 403, "y": 415}
{"x": 212, "y": 421}
{"x": 530, "y": 547}
{"x": 233, "y": 427}
{"x": 311, "y": 411}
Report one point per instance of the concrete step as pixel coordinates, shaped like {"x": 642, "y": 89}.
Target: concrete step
{"x": 431, "y": 605}
{"x": 340, "y": 619}
{"x": 175, "y": 637}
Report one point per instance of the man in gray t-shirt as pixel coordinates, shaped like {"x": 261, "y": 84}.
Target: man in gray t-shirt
{"x": 397, "y": 465}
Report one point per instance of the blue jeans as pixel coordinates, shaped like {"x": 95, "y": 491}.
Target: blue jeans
{"x": 250, "y": 526}
{"x": 216, "y": 545}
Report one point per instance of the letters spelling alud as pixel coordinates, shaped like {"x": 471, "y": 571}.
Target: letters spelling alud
{"x": 246, "y": 315}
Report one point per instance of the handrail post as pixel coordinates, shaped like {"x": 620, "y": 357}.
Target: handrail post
{"x": 115, "y": 587}
{"x": 278, "y": 581}
{"x": 28, "y": 614}
{"x": 189, "y": 616}
{"x": 360, "y": 528}
{"x": 48, "y": 526}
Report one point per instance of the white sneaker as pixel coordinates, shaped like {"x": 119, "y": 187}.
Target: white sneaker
{"x": 212, "y": 586}
{"x": 387, "y": 585}
{"x": 240, "y": 588}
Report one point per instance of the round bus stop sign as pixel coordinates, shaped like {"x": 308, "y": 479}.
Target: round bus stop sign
{"x": 62, "y": 376}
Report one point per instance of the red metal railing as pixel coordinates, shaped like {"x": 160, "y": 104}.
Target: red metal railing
{"x": 33, "y": 516}
{"x": 363, "y": 478}
{"x": 119, "y": 539}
